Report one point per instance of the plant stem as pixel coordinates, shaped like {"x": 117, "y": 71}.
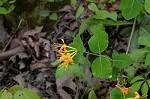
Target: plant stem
{"x": 131, "y": 35}
{"x": 96, "y": 55}
{"x": 129, "y": 44}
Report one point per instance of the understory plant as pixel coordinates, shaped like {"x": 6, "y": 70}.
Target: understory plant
{"x": 18, "y": 92}
{"x": 6, "y": 6}
{"x": 132, "y": 18}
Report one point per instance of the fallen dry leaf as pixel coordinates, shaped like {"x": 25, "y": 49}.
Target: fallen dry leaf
{"x": 20, "y": 78}
{"x": 33, "y": 32}
{"x": 65, "y": 81}
{"x": 66, "y": 8}
{"x": 37, "y": 65}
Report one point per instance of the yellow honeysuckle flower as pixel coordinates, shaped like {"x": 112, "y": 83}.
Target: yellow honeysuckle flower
{"x": 66, "y": 54}
{"x": 137, "y": 96}
{"x": 66, "y": 59}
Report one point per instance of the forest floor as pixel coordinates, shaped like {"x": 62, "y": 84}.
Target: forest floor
{"x": 26, "y": 57}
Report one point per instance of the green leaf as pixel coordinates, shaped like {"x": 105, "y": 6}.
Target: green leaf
{"x": 74, "y": 70}
{"x": 93, "y": 7}
{"x": 115, "y": 23}
{"x": 116, "y": 93}
{"x": 148, "y": 82}
{"x": 1, "y": 3}
{"x": 15, "y": 88}
{"x": 101, "y": 67}
{"x": 147, "y": 60}
{"x": 144, "y": 88}
{"x": 56, "y": 62}
{"x": 92, "y": 95}
{"x": 79, "y": 11}
{"x": 51, "y": 0}
{"x": 95, "y": 1}
{"x": 11, "y": 8}
{"x": 144, "y": 30}
{"x": 126, "y": 31}
{"x": 26, "y": 94}
{"x": 130, "y": 8}
{"x": 85, "y": 63}
{"x": 145, "y": 20}
{"x": 44, "y": 13}
{"x": 131, "y": 71}
{"x": 97, "y": 26}
{"x": 60, "y": 72}
{"x": 121, "y": 60}
{"x": 3, "y": 10}
{"x": 12, "y": 1}
{"x": 115, "y": 53}
{"x": 137, "y": 78}
{"x": 78, "y": 44}
{"x": 139, "y": 54}
{"x": 144, "y": 41}
{"x": 103, "y": 14}
{"x": 115, "y": 74}
{"x": 82, "y": 27}
{"x": 4, "y": 1}
{"x": 6, "y": 95}
{"x": 99, "y": 41}
{"x": 136, "y": 86}
{"x": 53, "y": 16}
{"x": 73, "y": 2}
{"x": 147, "y": 3}
{"x": 134, "y": 42}
{"x": 82, "y": 61}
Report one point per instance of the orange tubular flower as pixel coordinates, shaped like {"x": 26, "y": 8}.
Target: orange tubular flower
{"x": 123, "y": 89}
{"x": 66, "y": 54}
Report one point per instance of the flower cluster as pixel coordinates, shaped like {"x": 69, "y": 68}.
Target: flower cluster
{"x": 66, "y": 54}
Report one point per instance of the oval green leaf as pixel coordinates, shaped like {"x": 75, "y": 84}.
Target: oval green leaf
{"x": 3, "y": 10}
{"x": 147, "y": 4}
{"x": 130, "y": 8}
{"x": 6, "y": 95}
{"x": 92, "y": 95}
{"x": 116, "y": 93}
{"x": 93, "y": 7}
{"x": 122, "y": 60}
{"x": 144, "y": 88}
{"x": 144, "y": 41}
{"x": 99, "y": 41}
{"x": 1, "y": 3}
{"x": 11, "y": 8}
{"x": 53, "y": 16}
{"x": 101, "y": 67}
{"x": 136, "y": 86}
{"x": 137, "y": 78}
{"x": 79, "y": 11}
{"x": 26, "y": 94}
{"x": 44, "y": 13}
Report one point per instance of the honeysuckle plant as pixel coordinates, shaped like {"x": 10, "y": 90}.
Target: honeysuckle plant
{"x": 111, "y": 66}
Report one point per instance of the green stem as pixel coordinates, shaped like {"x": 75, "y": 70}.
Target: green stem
{"x": 96, "y": 54}
{"x": 124, "y": 96}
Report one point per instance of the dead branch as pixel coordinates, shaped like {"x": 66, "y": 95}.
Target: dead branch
{"x": 8, "y": 54}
